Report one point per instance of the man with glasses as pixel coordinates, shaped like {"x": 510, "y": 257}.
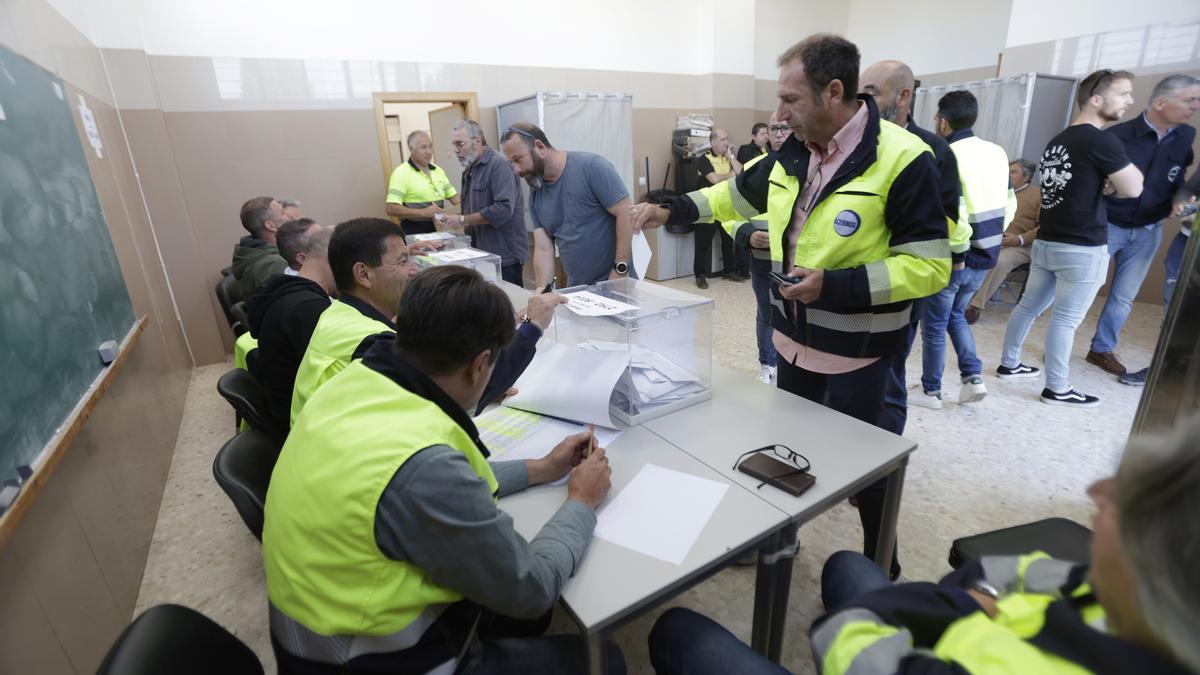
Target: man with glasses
{"x": 1070, "y": 256}
{"x": 856, "y": 232}
{"x": 578, "y": 202}
{"x": 493, "y": 206}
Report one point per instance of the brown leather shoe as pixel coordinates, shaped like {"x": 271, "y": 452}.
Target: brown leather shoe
{"x": 971, "y": 314}
{"x": 1107, "y": 360}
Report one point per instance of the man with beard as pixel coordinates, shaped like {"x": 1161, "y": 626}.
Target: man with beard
{"x": 492, "y": 204}
{"x": 891, "y": 84}
{"x": 1070, "y": 256}
{"x": 578, "y": 202}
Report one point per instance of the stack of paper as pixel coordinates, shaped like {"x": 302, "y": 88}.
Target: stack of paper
{"x": 651, "y": 378}
{"x": 511, "y": 434}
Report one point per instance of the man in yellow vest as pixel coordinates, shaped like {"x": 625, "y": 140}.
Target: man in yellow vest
{"x": 418, "y": 188}
{"x": 718, "y": 165}
{"x": 371, "y": 266}
{"x": 1134, "y": 609}
{"x": 987, "y": 205}
{"x": 383, "y": 545}
{"x": 856, "y": 233}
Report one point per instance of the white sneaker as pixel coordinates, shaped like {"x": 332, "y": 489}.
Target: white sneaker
{"x": 972, "y": 389}
{"x": 920, "y": 397}
{"x": 766, "y": 375}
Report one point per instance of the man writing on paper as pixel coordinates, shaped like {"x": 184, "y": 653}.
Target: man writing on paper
{"x": 578, "y": 203}
{"x": 383, "y": 546}
{"x": 855, "y": 223}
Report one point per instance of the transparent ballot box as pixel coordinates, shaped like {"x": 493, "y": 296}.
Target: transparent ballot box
{"x": 487, "y": 264}
{"x": 449, "y": 240}
{"x": 666, "y": 337}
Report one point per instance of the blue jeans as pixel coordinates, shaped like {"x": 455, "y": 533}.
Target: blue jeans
{"x": 549, "y": 654}
{"x": 513, "y": 273}
{"x": 848, "y": 575}
{"x": 1068, "y": 276}
{"x": 1133, "y": 249}
{"x": 1171, "y": 265}
{"x": 942, "y": 313}
{"x": 761, "y": 283}
{"x": 683, "y": 642}
{"x": 894, "y": 415}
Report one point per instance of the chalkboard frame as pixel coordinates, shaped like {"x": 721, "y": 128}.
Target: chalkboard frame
{"x": 57, "y": 446}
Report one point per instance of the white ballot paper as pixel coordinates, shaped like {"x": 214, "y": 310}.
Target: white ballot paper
{"x": 457, "y": 254}
{"x": 660, "y": 513}
{"x": 586, "y": 303}
{"x": 512, "y": 434}
{"x": 570, "y": 383}
{"x": 641, "y": 254}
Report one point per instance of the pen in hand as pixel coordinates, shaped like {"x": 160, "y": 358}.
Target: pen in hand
{"x": 591, "y": 441}
{"x": 549, "y": 287}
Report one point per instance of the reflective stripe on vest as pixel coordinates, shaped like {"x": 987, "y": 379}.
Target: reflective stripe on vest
{"x": 323, "y": 566}
{"x": 338, "y": 333}
{"x": 983, "y": 172}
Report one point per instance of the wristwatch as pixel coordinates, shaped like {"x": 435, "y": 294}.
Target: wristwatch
{"x": 986, "y": 588}
{"x": 621, "y": 267}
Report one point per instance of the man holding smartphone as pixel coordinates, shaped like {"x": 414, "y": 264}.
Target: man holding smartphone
{"x": 854, "y": 219}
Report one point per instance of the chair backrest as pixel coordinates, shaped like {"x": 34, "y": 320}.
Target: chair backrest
{"x": 181, "y": 641}
{"x": 249, "y": 400}
{"x": 243, "y": 470}
{"x": 241, "y": 320}
{"x": 224, "y": 296}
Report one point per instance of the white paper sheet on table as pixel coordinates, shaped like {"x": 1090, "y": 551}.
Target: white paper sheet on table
{"x": 660, "y": 513}
{"x": 641, "y": 254}
{"x": 512, "y": 434}
{"x": 587, "y": 303}
{"x": 457, "y": 254}
{"x": 570, "y": 383}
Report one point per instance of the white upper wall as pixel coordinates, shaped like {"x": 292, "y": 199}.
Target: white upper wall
{"x": 672, "y": 36}
{"x": 931, "y": 36}
{"x": 1040, "y": 21}
{"x": 779, "y": 24}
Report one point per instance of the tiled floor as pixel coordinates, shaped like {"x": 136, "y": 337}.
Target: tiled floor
{"x": 1006, "y": 460}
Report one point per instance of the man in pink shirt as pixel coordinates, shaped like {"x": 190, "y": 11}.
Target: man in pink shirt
{"x": 854, "y": 220}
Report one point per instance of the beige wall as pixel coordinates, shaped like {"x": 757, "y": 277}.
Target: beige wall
{"x": 70, "y": 576}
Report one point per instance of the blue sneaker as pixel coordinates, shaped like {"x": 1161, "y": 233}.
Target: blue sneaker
{"x": 1137, "y": 379}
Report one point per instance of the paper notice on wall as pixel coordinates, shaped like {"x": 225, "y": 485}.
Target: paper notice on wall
{"x": 586, "y": 303}
{"x": 90, "y": 128}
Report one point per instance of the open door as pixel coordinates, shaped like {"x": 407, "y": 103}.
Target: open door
{"x": 441, "y": 122}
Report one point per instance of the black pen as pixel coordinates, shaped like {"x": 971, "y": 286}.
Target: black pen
{"x": 549, "y": 287}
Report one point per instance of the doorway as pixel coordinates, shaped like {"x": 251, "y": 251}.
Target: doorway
{"x": 398, "y": 114}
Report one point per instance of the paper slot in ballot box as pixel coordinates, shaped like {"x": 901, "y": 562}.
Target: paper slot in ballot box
{"x": 664, "y": 336}
{"x": 487, "y": 264}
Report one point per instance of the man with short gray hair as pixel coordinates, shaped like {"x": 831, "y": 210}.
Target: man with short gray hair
{"x": 291, "y": 208}
{"x": 1159, "y": 143}
{"x": 418, "y": 189}
{"x": 493, "y": 206}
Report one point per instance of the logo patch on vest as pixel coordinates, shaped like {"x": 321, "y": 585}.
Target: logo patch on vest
{"x": 1174, "y": 173}
{"x": 846, "y": 223}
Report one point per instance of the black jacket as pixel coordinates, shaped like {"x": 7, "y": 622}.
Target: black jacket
{"x": 282, "y": 318}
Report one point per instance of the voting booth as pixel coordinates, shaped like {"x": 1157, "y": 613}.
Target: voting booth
{"x": 663, "y": 337}
{"x": 449, "y": 241}
{"x": 487, "y": 264}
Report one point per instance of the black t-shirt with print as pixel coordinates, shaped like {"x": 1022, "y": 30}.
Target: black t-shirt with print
{"x": 1074, "y": 166}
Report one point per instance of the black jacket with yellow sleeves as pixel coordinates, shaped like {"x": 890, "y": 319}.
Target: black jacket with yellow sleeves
{"x": 877, "y": 229}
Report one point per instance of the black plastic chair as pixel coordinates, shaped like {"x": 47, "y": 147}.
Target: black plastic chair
{"x": 249, "y": 400}
{"x": 243, "y": 470}
{"x": 224, "y": 292}
{"x": 241, "y": 320}
{"x": 1062, "y": 539}
{"x": 1009, "y": 293}
{"x": 181, "y": 641}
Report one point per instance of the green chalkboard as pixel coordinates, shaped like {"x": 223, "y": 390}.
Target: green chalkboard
{"x": 61, "y": 289}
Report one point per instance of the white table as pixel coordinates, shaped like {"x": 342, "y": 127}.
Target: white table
{"x": 847, "y": 455}
{"x": 614, "y": 584}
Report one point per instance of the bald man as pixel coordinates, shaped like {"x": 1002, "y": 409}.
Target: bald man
{"x": 891, "y": 83}
{"x": 718, "y": 165}
{"x": 419, "y": 188}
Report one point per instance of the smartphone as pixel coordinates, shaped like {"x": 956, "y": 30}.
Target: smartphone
{"x": 1188, "y": 210}
{"x": 783, "y": 278}
{"x": 777, "y": 474}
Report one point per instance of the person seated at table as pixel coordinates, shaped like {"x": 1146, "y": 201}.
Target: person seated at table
{"x": 384, "y": 547}
{"x": 1136, "y": 609}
